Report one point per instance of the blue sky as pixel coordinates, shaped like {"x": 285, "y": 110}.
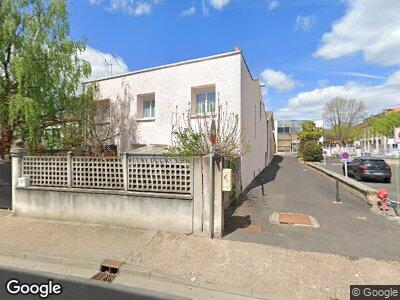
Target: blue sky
{"x": 307, "y": 51}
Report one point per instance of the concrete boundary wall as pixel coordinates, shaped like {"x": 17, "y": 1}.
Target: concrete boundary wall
{"x": 361, "y": 191}
{"x": 183, "y": 213}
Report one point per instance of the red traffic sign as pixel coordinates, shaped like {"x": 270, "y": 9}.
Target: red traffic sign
{"x": 213, "y": 133}
{"x": 345, "y": 155}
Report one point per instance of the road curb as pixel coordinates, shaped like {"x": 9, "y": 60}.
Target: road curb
{"x": 138, "y": 271}
{"x": 362, "y": 191}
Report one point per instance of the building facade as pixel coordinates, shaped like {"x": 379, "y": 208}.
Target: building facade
{"x": 200, "y": 86}
{"x": 377, "y": 144}
{"x": 287, "y": 134}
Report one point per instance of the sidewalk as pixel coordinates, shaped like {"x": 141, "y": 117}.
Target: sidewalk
{"x": 242, "y": 268}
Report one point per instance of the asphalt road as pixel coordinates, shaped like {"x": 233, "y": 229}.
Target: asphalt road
{"x": 72, "y": 288}
{"x": 350, "y": 229}
{"x": 336, "y": 165}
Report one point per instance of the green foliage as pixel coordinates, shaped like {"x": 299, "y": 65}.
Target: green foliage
{"x": 312, "y": 151}
{"x": 188, "y": 144}
{"x": 41, "y": 67}
{"x": 190, "y": 140}
{"x": 309, "y": 131}
{"x": 385, "y": 124}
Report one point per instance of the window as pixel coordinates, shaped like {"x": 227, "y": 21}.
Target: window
{"x": 146, "y": 107}
{"x": 149, "y": 108}
{"x": 205, "y": 102}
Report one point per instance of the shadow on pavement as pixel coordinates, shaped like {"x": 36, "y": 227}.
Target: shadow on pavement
{"x": 268, "y": 174}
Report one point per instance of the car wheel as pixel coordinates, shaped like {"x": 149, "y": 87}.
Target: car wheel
{"x": 387, "y": 180}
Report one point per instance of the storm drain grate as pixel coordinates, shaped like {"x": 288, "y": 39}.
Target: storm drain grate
{"x": 109, "y": 269}
{"x": 104, "y": 276}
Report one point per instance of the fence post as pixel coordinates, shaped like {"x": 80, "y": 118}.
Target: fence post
{"x": 125, "y": 172}
{"x": 17, "y": 152}
{"x": 70, "y": 169}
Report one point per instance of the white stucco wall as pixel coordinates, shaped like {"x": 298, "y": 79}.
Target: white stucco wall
{"x": 172, "y": 87}
{"x": 254, "y": 124}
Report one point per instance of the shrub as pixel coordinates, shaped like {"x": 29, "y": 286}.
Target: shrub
{"x": 311, "y": 151}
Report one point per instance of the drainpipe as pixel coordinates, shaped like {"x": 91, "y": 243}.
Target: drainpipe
{"x": 213, "y": 141}
{"x": 212, "y": 192}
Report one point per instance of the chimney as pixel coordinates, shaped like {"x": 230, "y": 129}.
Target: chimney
{"x": 237, "y": 48}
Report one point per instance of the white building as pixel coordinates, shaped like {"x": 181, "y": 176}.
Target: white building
{"x": 202, "y": 84}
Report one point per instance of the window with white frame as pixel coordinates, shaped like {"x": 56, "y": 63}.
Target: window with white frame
{"x": 149, "y": 108}
{"x": 205, "y": 102}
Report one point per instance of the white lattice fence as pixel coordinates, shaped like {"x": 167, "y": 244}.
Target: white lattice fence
{"x": 46, "y": 170}
{"x": 97, "y": 172}
{"x": 138, "y": 173}
{"x": 159, "y": 174}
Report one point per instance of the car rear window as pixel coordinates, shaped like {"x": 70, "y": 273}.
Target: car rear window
{"x": 374, "y": 162}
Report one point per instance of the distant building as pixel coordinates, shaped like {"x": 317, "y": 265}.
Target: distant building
{"x": 378, "y": 145}
{"x": 287, "y": 134}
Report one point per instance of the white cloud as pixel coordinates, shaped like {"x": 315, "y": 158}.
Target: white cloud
{"x": 219, "y": 4}
{"x": 369, "y": 26}
{"x": 305, "y": 23}
{"x": 272, "y": 4}
{"x": 130, "y": 7}
{"x": 188, "y": 12}
{"x": 394, "y": 79}
{"x": 363, "y": 75}
{"x": 101, "y": 63}
{"x": 310, "y": 104}
{"x": 278, "y": 80}
{"x": 142, "y": 8}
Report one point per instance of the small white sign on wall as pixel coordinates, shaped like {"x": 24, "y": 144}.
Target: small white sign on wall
{"x": 23, "y": 182}
{"x": 227, "y": 180}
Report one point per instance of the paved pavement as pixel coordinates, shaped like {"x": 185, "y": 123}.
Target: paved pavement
{"x": 336, "y": 165}
{"x": 349, "y": 229}
{"x": 214, "y": 269}
{"x": 72, "y": 288}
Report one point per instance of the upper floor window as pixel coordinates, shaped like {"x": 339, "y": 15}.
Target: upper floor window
{"x": 146, "y": 107}
{"x": 149, "y": 108}
{"x": 205, "y": 102}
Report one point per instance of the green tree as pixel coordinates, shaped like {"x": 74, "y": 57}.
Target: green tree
{"x": 309, "y": 131}
{"x": 312, "y": 151}
{"x": 40, "y": 70}
{"x": 385, "y": 124}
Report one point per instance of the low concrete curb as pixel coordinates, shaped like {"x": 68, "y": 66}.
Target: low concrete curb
{"x": 138, "y": 272}
{"x": 360, "y": 190}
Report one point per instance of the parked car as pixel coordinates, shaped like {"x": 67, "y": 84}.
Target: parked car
{"x": 361, "y": 168}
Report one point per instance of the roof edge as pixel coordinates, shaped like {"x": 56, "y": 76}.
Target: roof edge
{"x": 225, "y": 54}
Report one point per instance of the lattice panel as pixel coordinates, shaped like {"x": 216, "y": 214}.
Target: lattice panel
{"x": 97, "y": 173}
{"x": 159, "y": 174}
{"x": 46, "y": 170}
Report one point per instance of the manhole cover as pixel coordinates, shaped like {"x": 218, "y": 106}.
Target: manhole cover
{"x": 253, "y": 228}
{"x": 293, "y": 219}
